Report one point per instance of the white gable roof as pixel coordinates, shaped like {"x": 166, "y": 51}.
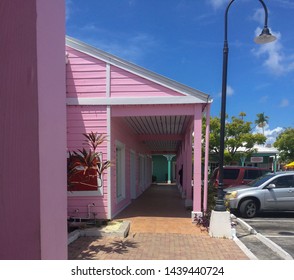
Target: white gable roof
{"x": 199, "y": 96}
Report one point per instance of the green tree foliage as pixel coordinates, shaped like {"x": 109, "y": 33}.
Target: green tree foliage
{"x": 285, "y": 144}
{"x": 242, "y": 115}
{"x": 239, "y": 136}
{"x": 214, "y": 135}
{"x": 239, "y": 139}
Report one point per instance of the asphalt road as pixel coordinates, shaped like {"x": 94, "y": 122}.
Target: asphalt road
{"x": 278, "y": 227}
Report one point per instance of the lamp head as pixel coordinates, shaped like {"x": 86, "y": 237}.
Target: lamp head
{"x": 265, "y": 37}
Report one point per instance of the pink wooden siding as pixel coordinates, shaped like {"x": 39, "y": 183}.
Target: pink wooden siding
{"x": 81, "y": 203}
{"x": 32, "y": 138}
{"x": 126, "y": 84}
{"x": 86, "y": 76}
{"x": 19, "y": 110}
{"x": 84, "y": 119}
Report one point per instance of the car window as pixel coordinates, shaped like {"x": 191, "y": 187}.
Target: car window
{"x": 284, "y": 182}
{"x": 231, "y": 174}
{"x": 257, "y": 182}
{"x": 251, "y": 174}
{"x": 262, "y": 172}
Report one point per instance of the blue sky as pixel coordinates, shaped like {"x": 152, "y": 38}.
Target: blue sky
{"x": 183, "y": 40}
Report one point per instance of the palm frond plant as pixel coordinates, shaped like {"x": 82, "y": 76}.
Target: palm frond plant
{"x": 86, "y": 159}
{"x": 72, "y": 170}
{"x": 102, "y": 166}
{"x": 94, "y": 139}
{"x": 85, "y": 166}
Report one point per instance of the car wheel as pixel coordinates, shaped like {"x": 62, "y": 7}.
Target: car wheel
{"x": 248, "y": 208}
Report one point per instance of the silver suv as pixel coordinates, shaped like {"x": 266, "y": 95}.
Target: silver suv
{"x": 271, "y": 192}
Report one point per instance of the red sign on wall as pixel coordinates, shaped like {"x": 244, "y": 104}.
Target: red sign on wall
{"x": 81, "y": 181}
{"x": 256, "y": 159}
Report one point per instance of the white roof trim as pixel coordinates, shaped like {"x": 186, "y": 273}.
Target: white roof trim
{"x": 123, "y": 64}
{"x": 133, "y": 101}
{"x": 261, "y": 149}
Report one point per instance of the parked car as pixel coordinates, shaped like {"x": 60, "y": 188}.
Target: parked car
{"x": 271, "y": 192}
{"x": 237, "y": 175}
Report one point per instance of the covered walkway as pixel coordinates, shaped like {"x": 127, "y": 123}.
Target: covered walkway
{"x": 160, "y": 210}
{"x": 143, "y": 114}
{"x": 161, "y": 229}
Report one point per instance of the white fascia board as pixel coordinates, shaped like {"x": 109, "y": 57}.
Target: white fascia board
{"x": 137, "y": 70}
{"x": 134, "y": 101}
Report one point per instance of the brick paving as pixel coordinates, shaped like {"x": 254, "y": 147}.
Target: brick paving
{"x": 161, "y": 229}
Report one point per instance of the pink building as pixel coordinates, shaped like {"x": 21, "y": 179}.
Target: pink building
{"x": 33, "y": 130}
{"x": 142, "y": 113}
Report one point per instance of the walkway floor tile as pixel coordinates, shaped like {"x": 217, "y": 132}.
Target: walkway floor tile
{"x": 161, "y": 229}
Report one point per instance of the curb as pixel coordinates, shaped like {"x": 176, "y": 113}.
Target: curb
{"x": 273, "y": 246}
{"x": 241, "y": 245}
{"x": 247, "y": 252}
{"x": 245, "y": 226}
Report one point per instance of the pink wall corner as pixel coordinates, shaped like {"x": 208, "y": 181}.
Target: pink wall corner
{"x": 32, "y": 200}
{"x": 19, "y": 185}
{"x": 52, "y": 127}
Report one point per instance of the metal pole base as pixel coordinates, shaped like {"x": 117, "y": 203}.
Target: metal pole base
{"x": 220, "y": 207}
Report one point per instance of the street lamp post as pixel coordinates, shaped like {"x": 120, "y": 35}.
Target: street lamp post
{"x": 263, "y": 38}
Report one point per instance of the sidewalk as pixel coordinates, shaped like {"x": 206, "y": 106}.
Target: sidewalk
{"x": 161, "y": 229}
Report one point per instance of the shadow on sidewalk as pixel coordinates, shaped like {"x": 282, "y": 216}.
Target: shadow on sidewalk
{"x": 159, "y": 200}
{"x": 88, "y": 248}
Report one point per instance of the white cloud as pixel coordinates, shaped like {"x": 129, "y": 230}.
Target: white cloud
{"x": 264, "y": 99}
{"x": 285, "y": 3}
{"x": 275, "y": 59}
{"x": 132, "y": 48}
{"x": 284, "y": 103}
{"x": 259, "y": 16}
{"x": 132, "y": 3}
{"x": 217, "y": 3}
{"x": 272, "y": 52}
{"x": 68, "y": 9}
{"x": 270, "y": 134}
{"x": 91, "y": 27}
{"x": 230, "y": 91}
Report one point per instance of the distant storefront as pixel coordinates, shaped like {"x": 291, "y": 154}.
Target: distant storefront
{"x": 265, "y": 157}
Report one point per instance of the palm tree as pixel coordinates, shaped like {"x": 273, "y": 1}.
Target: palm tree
{"x": 262, "y": 121}
{"x": 242, "y": 115}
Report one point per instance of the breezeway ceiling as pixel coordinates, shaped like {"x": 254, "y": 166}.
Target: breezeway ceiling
{"x": 161, "y": 134}
{"x": 158, "y": 124}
